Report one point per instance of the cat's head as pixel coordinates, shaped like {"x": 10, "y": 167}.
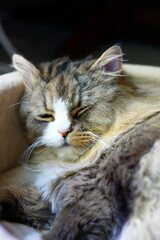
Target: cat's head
{"x": 70, "y": 102}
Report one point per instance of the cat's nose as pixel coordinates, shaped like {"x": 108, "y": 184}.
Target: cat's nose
{"x": 64, "y": 133}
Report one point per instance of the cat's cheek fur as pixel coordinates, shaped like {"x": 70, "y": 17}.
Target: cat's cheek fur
{"x": 51, "y": 137}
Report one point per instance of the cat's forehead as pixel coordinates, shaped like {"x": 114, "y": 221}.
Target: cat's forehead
{"x": 61, "y": 80}
{"x": 67, "y": 80}
{"x": 52, "y": 69}
{"x": 64, "y": 65}
{"x": 64, "y": 87}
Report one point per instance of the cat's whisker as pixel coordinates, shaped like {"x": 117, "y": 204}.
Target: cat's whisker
{"x": 114, "y": 74}
{"x": 26, "y": 95}
{"x": 106, "y": 141}
{"x": 81, "y": 153}
{"x": 106, "y": 144}
{"x": 15, "y": 104}
{"x": 99, "y": 139}
{"x": 21, "y": 101}
{"x": 26, "y": 155}
{"x": 96, "y": 139}
{"x": 111, "y": 75}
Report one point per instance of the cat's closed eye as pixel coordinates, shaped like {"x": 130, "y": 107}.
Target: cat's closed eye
{"x": 82, "y": 110}
{"x": 45, "y": 117}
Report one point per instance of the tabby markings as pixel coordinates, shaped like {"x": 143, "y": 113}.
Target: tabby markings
{"x": 53, "y": 133}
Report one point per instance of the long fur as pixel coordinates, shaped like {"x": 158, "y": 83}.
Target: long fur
{"x": 86, "y": 188}
{"x": 143, "y": 222}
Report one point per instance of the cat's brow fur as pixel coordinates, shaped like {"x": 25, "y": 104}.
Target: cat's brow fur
{"x": 86, "y": 184}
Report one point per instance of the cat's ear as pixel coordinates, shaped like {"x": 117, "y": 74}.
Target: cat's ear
{"x": 27, "y": 70}
{"x": 110, "y": 61}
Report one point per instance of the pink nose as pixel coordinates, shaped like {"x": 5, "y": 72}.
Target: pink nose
{"x": 64, "y": 133}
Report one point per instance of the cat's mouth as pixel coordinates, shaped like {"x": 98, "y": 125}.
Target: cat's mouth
{"x": 75, "y": 138}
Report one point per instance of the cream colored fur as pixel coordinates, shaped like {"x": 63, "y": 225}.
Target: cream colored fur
{"x": 146, "y": 78}
{"x": 144, "y": 222}
{"x": 11, "y": 87}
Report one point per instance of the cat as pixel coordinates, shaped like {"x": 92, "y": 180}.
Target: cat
{"x": 88, "y": 127}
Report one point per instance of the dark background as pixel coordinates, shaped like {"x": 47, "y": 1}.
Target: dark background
{"x": 42, "y": 30}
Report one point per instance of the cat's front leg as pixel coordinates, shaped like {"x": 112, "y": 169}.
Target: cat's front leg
{"x": 25, "y": 205}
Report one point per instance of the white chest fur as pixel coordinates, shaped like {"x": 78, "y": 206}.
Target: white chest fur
{"x": 50, "y": 166}
{"x": 46, "y": 178}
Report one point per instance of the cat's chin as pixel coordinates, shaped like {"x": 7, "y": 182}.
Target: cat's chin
{"x": 65, "y": 146}
{"x": 65, "y": 152}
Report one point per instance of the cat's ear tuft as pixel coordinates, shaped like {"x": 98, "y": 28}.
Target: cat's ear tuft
{"x": 27, "y": 70}
{"x": 110, "y": 61}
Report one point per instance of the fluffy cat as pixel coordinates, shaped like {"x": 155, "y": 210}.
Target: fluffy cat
{"x": 88, "y": 127}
